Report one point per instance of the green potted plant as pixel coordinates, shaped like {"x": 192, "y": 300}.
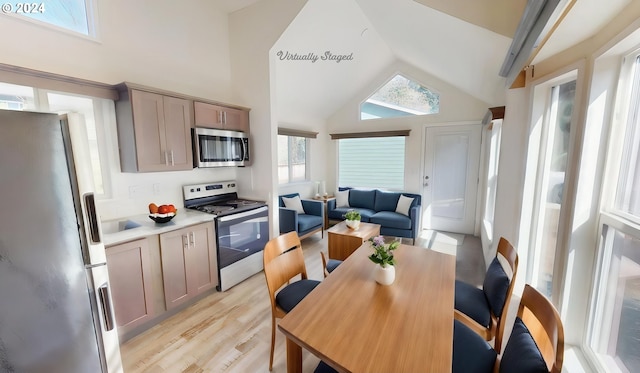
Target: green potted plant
{"x": 352, "y": 219}
{"x": 383, "y": 256}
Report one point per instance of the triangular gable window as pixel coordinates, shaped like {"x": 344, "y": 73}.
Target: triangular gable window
{"x": 400, "y": 97}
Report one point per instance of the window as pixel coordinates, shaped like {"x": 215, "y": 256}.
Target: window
{"x": 371, "y": 162}
{"x": 292, "y": 159}
{"x": 73, "y": 15}
{"x": 65, "y": 104}
{"x": 546, "y": 170}
{"x": 493, "y": 145}
{"x": 615, "y": 314}
{"x": 400, "y": 97}
{"x": 616, "y": 329}
{"x": 18, "y": 97}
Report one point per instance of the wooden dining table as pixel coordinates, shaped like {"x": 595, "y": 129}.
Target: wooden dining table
{"x": 356, "y": 325}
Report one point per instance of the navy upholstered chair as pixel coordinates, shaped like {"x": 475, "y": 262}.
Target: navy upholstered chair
{"x": 303, "y": 216}
{"x": 536, "y": 343}
{"x": 329, "y": 265}
{"x": 324, "y": 368}
{"x": 482, "y": 310}
{"x": 283, "y": 261}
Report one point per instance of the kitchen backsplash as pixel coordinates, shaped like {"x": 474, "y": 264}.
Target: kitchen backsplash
{"x": 132, "y": 192}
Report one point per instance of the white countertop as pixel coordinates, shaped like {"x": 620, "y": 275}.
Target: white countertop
{"x": 148, "y": 227}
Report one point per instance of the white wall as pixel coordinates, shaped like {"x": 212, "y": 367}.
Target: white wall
{"x": 511, "y": 168}
{"x": 252, "y": 32}
{"x": 455, "y": 106}
{"x": 146, "y": 43}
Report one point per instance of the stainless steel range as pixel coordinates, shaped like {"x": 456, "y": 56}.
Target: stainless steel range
{"x": 242, "y": 228}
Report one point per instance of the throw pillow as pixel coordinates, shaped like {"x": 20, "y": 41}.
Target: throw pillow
{"x": 342, "y": 198}
{"x": 294, "y": 203}
{"x": 404, "y": 204}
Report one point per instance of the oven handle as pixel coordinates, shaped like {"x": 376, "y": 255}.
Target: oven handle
{"x": 240, "y": 215}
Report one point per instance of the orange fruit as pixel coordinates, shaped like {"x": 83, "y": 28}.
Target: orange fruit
{"x": 163, "y": 209}
{"x": 153, "y": 208}
{"x": 172, "y": 208}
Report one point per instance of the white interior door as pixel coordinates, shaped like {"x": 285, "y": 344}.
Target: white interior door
{"x": 450, "y": 180}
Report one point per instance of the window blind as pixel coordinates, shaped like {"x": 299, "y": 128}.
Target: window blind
{"x": 372, "y": 162}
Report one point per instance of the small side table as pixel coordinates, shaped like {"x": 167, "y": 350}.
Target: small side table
{"x": 325, "y": 199}
{"x": 343, "y": 241}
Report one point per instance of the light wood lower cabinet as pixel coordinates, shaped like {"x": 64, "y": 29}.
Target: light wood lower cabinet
{"x": 129, "y": 268}
{"x": 189, "y": 263}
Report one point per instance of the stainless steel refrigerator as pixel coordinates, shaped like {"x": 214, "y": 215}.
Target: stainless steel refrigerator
{"x": 55, "y": 307}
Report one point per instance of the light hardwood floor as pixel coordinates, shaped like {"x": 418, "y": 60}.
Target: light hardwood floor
{"x": 231, "y": 331}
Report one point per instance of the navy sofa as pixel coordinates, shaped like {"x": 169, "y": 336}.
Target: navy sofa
{"x": 379, "y": 207}
{"x": 306, "y": 224}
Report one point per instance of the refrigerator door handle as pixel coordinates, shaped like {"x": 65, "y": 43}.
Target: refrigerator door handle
{"x": 105, "y": 304}
{"x": 92, "y": 215}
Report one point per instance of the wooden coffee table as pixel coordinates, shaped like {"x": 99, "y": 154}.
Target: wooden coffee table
{"x": 343, "y": 241}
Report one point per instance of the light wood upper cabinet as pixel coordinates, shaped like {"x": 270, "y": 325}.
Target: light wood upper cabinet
{"x": 130, "y": 278}
{"x": 154, "y": 131}
{"x": 189, "y": 263}
{"x": 220, "y": 117}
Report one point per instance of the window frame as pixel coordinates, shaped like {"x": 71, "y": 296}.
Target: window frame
{"x": 408, "y": 77}
{"x": 307, "y": 162}
{"x": 100, "y": 116}
{"x": 535, "y": 179}
{"x": 91, "y": 9}
{"x": 493, "y": 137}
{"x": 610, "y": 218}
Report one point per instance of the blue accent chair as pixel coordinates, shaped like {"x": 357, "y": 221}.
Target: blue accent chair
{"x": 536, "y": 344}
{"x": 306, "y": 224}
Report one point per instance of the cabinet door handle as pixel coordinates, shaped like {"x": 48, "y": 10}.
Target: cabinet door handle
{"x": 220, "y": 117}
{"x": 172, "y": 162}
{"x": 192, "y": 238}
{"x": 185, "y": 242}
{"x": 224, "y": 117}
{"x": 166, "y": 158}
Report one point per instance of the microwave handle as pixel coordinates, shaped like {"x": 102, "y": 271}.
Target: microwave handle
{"x": 245, "y": 149}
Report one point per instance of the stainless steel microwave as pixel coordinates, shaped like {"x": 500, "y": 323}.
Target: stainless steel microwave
{"x": 219, "y": 148}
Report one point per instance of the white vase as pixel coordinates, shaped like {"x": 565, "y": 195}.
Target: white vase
{"x": 353, "y": 224}
{"x": 385, "y": 275}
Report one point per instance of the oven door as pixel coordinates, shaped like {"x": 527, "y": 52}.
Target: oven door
{"x": 241, "y": 235}
{"x": 219, "y": 148}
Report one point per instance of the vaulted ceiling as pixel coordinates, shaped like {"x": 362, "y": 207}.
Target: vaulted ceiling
{"x": 461, "y": 42}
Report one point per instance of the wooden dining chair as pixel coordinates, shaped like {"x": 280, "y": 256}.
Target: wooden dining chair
{"x": 536, "y": 343}
{"x": 284, "y": 262}
{"x": 482, "y": 310}
{"x": 328, "y": 265}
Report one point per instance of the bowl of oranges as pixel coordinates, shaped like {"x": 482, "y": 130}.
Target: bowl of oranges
{"x": 162, "y": 214}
